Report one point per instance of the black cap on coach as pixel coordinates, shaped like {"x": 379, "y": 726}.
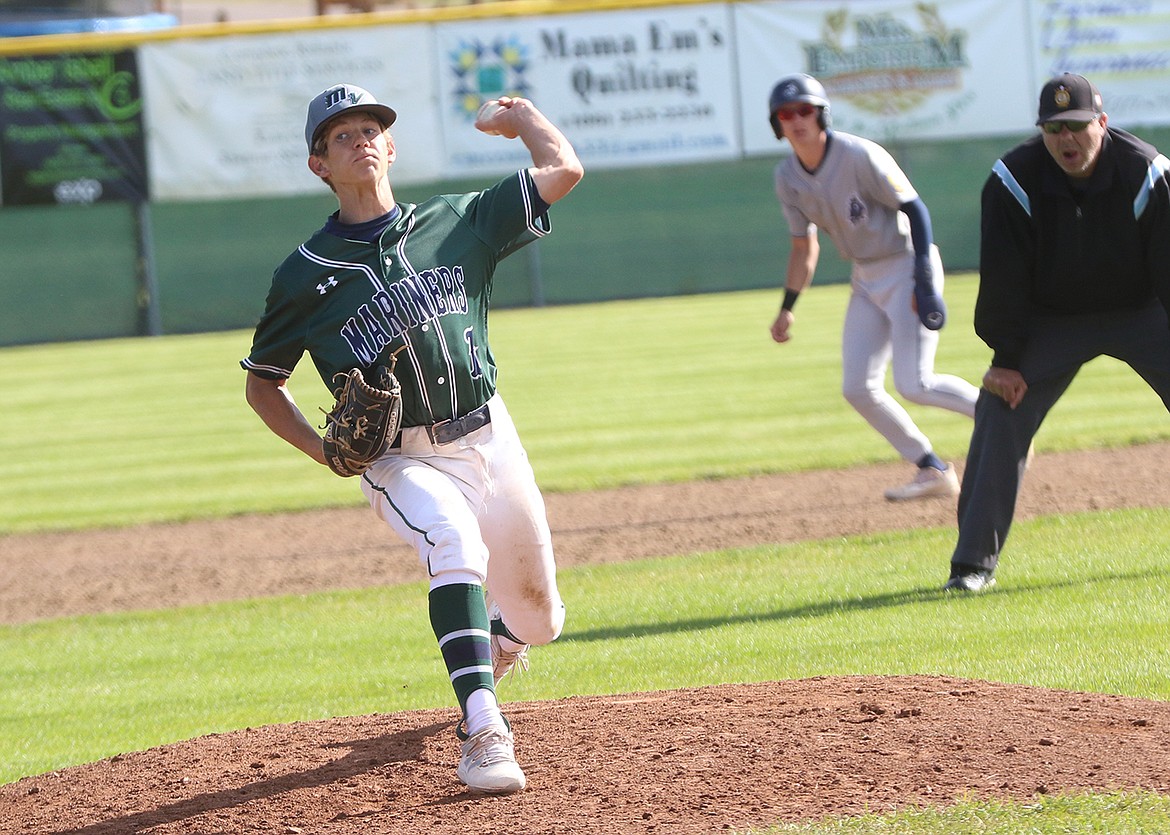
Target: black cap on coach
{"x": 1070, "y": 98}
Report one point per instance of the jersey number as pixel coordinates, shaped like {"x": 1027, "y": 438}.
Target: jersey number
{"x": 473, "y": 352}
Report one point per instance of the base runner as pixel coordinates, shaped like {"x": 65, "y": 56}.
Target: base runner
{"x": 852, "y": 189}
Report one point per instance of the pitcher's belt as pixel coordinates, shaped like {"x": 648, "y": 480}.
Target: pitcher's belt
{"x": 446, "y": 431}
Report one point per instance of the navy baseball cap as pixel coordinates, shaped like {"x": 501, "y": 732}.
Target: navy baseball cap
{"x": 338, "y": 99}
{"x": 1071, "y": 98}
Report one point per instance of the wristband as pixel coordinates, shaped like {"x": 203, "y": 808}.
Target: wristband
{"x": 790, "y": 297}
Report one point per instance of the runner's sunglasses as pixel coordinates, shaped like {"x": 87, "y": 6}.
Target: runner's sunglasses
{"x": 804, "y": 111}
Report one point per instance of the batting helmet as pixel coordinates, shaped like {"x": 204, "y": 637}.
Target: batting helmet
{"x": 797, "y": 88}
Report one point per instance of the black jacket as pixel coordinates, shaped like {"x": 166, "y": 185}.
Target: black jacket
{"x": 1046, "y": 250}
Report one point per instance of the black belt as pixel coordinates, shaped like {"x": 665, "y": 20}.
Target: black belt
{"x": 446, "y": 431}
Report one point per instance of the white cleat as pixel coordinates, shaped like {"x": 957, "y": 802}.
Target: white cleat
{"x": 929, "y": 483}
{"x": 505, "y": 662}
{"x": 489, "y": 763}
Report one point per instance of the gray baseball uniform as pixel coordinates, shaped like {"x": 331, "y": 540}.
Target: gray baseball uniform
{"x": 855, "y": 196}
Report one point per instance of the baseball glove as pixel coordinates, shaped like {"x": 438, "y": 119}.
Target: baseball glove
{"x": 363, "y": 422}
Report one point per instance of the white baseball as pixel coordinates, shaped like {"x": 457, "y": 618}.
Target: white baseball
{"x": 486, "y": 111}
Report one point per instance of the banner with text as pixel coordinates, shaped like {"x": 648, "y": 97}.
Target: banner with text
{"x": 227, "y": 115}
{"x": 224, "y": 116}
{"x": 893, "y": 70}
{"x": 71, "y": 129}
{"x": 627, "y": 87}
{"x": 1122, "y": 47}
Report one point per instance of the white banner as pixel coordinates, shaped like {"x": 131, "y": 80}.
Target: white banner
{"x": 893, "y": 70}
{"x": 226, "y": 116}
{"x": 627, "y": 88}
{"x": 1123, "y": 47}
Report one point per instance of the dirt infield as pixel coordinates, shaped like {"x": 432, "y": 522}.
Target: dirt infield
{"x": 689, "y": 761}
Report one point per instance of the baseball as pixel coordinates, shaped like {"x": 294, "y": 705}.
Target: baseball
{"x": 486, "y": 111}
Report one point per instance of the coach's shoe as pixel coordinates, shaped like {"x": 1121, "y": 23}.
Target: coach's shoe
{"x": 489, "y": 763}
{"x": 927, "y": 484}
{"x": 505, "y": 662}
{"x": 970, "y": 579}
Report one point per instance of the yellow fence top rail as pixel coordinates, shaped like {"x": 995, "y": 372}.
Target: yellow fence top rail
{"x": 113, "y": 41}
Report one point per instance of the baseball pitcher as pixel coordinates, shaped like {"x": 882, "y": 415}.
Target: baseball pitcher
{"x": 399, "y": 293}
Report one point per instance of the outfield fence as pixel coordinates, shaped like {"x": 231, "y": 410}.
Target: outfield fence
{"x": 152, "y": 181}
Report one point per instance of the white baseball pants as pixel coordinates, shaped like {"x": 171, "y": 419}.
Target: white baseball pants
{"x": 880, "y": 327}
{"x": 473, "y": 512}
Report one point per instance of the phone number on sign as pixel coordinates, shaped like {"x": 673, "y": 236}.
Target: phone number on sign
{"x": 646, "y": 115}
{"x": 638, "y": 115}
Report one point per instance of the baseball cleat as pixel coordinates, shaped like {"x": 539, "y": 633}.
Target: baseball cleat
{"x": 927, "y": 484}
{"x": 505, "y": 662}
{"x": 489, "y": 763}
{"x": 972, "y": 581}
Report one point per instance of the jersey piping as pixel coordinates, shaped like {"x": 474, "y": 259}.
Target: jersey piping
{"x": 1158, "y": 168}
{"x": 1013, "y": 186}
{"x": 400, "y": 251}
{"x": 274, "y": 370}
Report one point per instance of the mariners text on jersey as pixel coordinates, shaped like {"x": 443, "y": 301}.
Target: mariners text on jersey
{"x": 405, "y": 304}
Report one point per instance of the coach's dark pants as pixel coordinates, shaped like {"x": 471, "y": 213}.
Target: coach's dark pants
{"x": 1057, "y": 348}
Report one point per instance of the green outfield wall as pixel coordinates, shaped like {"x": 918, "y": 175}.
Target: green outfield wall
{"x": 70, "y": 272}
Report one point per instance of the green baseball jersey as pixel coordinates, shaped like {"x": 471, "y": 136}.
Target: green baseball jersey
{"x": 422, "y": 289}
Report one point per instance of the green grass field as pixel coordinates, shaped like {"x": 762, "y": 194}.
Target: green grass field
{"x": 607, "y": 394}
{"x": 128, "y": 431}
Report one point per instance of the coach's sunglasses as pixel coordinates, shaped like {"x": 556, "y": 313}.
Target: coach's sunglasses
{"x": 1074, "y": 127}
{"x": 804, "y": 111}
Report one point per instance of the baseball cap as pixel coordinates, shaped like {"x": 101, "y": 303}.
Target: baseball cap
{"x": 1070, "y": 98}
{"x": 335, "y": 100}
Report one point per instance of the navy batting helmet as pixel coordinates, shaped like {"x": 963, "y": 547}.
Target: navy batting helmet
{"x": 799, "y": 88}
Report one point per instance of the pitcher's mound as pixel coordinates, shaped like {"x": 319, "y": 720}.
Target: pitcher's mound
{"x": 703, "y": 760}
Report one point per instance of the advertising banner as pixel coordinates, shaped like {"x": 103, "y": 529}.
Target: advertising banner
{"x": 635, "y": 87}
{"x": 893, "y": 70}
{"x": 227, "y": 115}
{"x": 1122, "y": 47}
{"x": 71, "y": 129}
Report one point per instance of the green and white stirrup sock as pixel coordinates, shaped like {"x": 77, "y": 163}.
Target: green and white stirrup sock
{"x": 460, "y": 622}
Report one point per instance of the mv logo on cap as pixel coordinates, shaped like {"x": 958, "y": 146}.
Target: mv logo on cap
{"x": 337, "y": 95}
{"x": 1062, "y": 97}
